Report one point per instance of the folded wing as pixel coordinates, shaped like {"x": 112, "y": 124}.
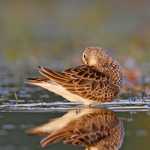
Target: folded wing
{"x": 84, "y": 81}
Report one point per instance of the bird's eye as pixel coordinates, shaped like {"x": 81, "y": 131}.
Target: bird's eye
{"x": 84, "y": 56}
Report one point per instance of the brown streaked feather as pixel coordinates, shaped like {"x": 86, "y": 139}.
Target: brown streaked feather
{"x": 52, "y": 75}
{"x": 112, "y": 142}
{"x": 37, "y": 80}
{"x": 84, "y": 81}
{"x": 86, "y": 72}
{"x": 99, "y": 125}
{"x": 53, "y": 138}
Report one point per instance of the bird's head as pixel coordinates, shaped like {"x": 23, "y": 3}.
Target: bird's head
{"x": 94, "y": 56}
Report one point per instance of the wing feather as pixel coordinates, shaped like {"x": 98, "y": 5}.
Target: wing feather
{"x": 37, "y": 80}
{"x": 83, "y": 80}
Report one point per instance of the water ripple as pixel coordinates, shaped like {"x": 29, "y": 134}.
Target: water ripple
{"x": 117, "y": 105}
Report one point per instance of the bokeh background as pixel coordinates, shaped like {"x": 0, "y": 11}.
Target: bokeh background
{"x": 54, "y": 33}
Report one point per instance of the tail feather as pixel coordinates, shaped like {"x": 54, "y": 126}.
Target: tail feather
{"x": 53, "y": 75}
{"x": 36, "y": 131}
{"x": 49, "y": 75}
{"x": 43, "y": 129}
{"x": 53, "y": 138}
{"x": 36, "y": 80}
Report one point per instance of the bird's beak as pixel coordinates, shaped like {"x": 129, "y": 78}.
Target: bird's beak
{"x": 92, "y": 62}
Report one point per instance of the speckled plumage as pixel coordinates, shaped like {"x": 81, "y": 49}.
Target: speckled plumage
{"x": 94, "y": 129}
{"x": 97, "y": 80}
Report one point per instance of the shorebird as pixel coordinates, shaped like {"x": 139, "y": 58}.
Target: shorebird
{"x": 93, "y": 129}
{"x": 98, "y": 79}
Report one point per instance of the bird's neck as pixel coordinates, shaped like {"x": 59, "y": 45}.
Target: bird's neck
{"x": 112, "y": 69}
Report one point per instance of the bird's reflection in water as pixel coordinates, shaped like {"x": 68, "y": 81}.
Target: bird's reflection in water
{"x": 91, "y": 128}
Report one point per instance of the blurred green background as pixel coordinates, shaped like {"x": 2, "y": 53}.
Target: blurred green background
{"x": 54, "y": 32}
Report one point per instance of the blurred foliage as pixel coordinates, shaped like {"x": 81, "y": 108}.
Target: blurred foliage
{"x": 55, "y": 32}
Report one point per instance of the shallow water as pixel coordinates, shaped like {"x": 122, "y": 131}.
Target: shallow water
{"x": 13, "y": 126}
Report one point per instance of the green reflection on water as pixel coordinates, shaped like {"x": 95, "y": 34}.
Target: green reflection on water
{"x": 13, "y": 126}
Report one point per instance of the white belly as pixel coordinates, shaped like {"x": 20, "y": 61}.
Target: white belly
{"x": 60, "y": 90}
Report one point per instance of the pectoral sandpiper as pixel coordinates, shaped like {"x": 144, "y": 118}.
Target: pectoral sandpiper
{"x": 97, "y": 80}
